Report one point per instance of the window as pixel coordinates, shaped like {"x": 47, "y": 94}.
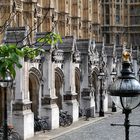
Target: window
{"x": 107, "y": 20}
{"x": 117, "y": 19}
{"x": 107, "y": 38}
{"x": 107, "y": 9}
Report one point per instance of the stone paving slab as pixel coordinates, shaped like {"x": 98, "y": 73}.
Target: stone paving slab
{"x": 48, "y": 135}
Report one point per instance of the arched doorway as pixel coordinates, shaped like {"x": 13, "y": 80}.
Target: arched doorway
{"x": 59, "y": 76}
{"x": 34, "y": 86}
{"x": 77, "y": 83}
{"x": 77, "y": 88}
{"x": 95, "y": 86}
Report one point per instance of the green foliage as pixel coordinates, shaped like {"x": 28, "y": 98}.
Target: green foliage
{"x": 10, "y": 54}
{"x": 9, "y": 58}
{"x": 51, "y": 38}
{"x": 31, "y": 53}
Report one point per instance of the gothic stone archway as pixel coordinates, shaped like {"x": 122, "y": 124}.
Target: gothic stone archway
{"x": 34, "y": 86}
{"x": 77, "y": 88}
{"x": 95, "y": 86}
{"x": 59, "y": 76}
{"x": 77, "y": 83}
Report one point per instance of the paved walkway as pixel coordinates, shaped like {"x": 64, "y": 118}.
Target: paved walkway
{"x": 48, "y": 135}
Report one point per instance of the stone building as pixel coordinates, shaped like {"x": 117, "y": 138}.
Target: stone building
{"x": 66, "y": 75}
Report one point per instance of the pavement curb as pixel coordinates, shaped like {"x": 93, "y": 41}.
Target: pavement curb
{"x": 49, "y": 135}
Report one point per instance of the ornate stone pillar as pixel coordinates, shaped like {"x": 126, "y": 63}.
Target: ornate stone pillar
{"x": 49, "y": 106}
{"x": 110, "y": 62}
{"x": 87, "y": 93}
{"x": 23, "y": 119}
{"x": 70, "y": 103}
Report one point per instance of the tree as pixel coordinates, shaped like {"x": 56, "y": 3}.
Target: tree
{"x": 10, "y": 54}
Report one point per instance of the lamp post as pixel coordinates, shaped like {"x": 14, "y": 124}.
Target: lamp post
{"x": 126, "y": 91}
{"x": 100, "y": 77}
{"x": 113, "y": 74}
{"x": 5, "y": 83}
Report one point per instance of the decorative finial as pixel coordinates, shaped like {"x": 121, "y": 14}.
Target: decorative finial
{"x": 126, "y": 56}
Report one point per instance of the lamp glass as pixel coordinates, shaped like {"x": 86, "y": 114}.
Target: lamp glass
{"x": 126, "y": 102}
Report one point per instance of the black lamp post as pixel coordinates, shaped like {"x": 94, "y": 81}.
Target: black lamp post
{"x": 126, "y": 91}
{"x": 100, "y": 77}
{"x": 113, "y": 74}
{"x": 5, "y": 83}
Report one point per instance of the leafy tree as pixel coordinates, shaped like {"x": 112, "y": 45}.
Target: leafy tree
{"x": 10, "y": 54}
{"x": 50, "y": 38}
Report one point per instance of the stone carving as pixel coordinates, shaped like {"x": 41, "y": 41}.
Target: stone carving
{"x": 57, "y": 56}
{"x": 93, "y": 60}
{"x": 76, "y": 56}
{"x": 18, "y": 4}
{"x": 38, "y": 11}
{"x": 93, "y": 54}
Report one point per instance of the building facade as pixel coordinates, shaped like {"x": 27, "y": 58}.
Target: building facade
{"x": 115, "y": 21}
{"x": 65, "y": 77}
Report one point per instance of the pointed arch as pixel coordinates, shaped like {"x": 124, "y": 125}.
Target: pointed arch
{"x": 77, "y": 83}
{"x": 59, "y": 79}
{"x": 34, "y": 71}
{"x": 94, "y": 82}
{"x": 34, "y": 87}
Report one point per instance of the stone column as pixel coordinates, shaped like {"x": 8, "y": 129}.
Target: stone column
{"x": 71, "y": 58}
{"x": 49, "y": 106}
{"x": 23, "y": 118}
{"x": 87, "y": 95}
{"x": 86, "y": 66}
{"x": 48, "y": 101}
{"x": 108, "y": 79}
{"x": 70, "y": 102}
